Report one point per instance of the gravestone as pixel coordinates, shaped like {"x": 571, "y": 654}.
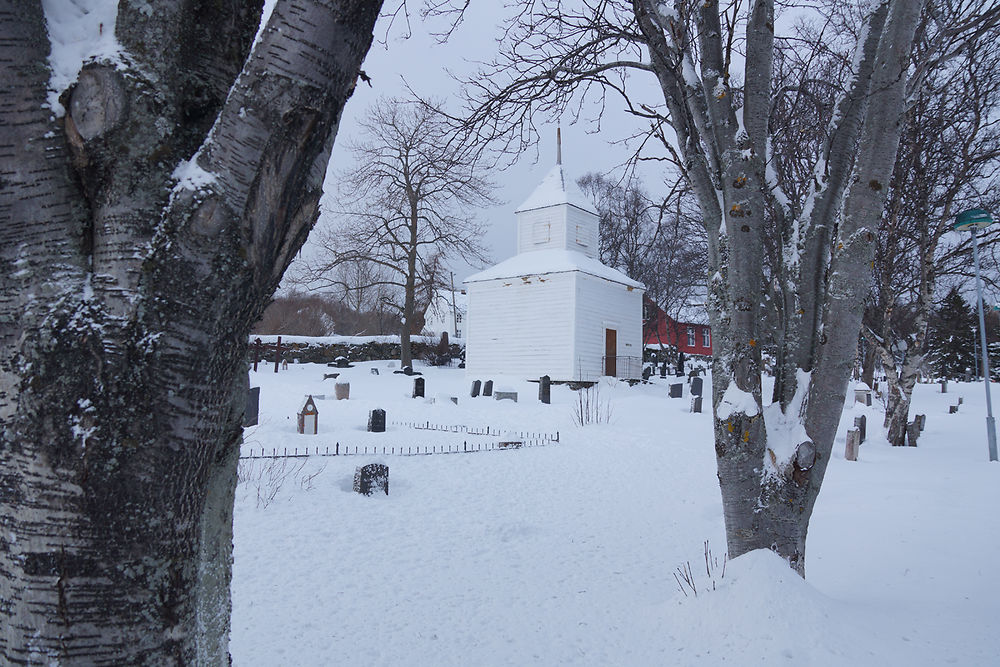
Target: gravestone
{"x": 680, "y": 365}
{"x": 912, "y": 433}
{"x": 696, "y": 404}
{"x": 376, "y": 421}
{"x": 476, "y": 386}
{"x": 407, "y": 370}
{"x": 863, "y": 395}
{"x": 418, "y": 387}
{"x": 505, "y": 395}
{"x": 342, "y": 391}
{"x": 697, "y": 385}
{"x": 944, "y": 386}
{"x": 252, "y": 412}
{"x": 341, "y": 362}
{"x": 663, "y": 370}
{"x": 453, "y": 399}
{"x": 488, "y": 388}
{"x": 960, "y": 399}
{"x": 861, "y": 424}
{"x": 676, "y": 390}
{"x": 370, "y": 478}
{"x": 545, "y": 389}
{"x": 331, "y": 376}
{"x": 853, "y": 444}
{"x": 646, "y": 372}
{"x": 952, "y": 409}
{"x": 374, "y": 371}
{"x": 921, "y": 420}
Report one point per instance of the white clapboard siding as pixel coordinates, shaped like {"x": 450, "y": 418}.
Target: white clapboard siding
{"x": 603, "y": 304}
{"x": 582, "y": 227}
{"x": 521, "y": 326}
{"x": 541, "y": 229}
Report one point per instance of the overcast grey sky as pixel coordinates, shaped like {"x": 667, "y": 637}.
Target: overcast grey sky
{"x": 422, "y": 62}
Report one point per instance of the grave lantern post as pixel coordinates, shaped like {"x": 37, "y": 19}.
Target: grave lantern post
{"x": 972, "y": 220}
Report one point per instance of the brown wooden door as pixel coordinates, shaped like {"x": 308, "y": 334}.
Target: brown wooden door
{"x": 611, "y": 352}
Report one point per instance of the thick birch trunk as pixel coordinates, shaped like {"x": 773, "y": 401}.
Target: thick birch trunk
{"x": 125, "y": 305}
{"x": 769, "y": 489}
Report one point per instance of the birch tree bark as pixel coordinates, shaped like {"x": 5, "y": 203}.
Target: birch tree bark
{"x": 141, "y": 234}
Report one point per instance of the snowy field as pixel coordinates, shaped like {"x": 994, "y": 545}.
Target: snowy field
{"x": 566, "y": 553}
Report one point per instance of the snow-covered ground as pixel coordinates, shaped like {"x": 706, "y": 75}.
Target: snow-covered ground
{"x": 566, "y": 553}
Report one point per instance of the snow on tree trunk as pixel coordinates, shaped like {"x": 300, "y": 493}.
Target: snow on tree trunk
{"x": 772, "y": 461}
{"x": 141, "y": 235}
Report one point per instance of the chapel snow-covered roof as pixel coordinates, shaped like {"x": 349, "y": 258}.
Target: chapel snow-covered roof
{"x": 554, "y": 190}
{"x": 553, "y": 260}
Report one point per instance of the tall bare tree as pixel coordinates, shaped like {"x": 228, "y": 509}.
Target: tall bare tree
{"x": 558, "y": 53}
{"x": 408, "y": 205}
{"x": 142, "y": 232}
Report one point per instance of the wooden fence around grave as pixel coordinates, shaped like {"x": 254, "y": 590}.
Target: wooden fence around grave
{"x": 392, "y": 450}
{"x": 477, "y": 430}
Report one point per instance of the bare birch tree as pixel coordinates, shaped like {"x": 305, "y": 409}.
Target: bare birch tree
{"x": 142, "y": 232}
{"x": 948, "y": 162}
{"x": 408, "y": 206}
{"x": 557, "y": 54}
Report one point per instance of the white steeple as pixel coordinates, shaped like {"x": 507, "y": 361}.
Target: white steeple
{"x": 557, "y": 215}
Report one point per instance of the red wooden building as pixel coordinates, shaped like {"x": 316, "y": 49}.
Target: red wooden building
{"x": 691, "y": 337}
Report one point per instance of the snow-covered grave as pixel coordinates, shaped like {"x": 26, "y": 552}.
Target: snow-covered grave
{"x": 566, "y": 553}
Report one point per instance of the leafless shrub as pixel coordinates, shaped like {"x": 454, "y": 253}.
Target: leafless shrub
{"x": 265, "y": 478}
{"x": 590, "y": 408}
{"x": 686, "y": 580}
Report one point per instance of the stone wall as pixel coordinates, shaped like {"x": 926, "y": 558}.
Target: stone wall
{"x": 320, "y": 352}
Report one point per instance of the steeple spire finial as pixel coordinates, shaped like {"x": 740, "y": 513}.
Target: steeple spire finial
{"x": 558, "y": 145}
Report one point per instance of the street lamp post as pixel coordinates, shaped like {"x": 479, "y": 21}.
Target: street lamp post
{"x": 972, "y": 220}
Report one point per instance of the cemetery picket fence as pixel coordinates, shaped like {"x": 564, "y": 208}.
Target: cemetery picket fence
{"x": 339, "y": 449}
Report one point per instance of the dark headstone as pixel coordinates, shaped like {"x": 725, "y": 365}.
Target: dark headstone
{"x": 944, "y": 386}
{"x": 488, "y": 388}
{"x": 476, "y": 386}
{"x": 861, "y": 424}
{"x": 680, "y": 364}
{"x": 328, "y": 376}
{"x": 912, "y": 433}
{"x": 376, "y": 421}
{"x": 921, "y": 420}
{"x": 545, "y": 389}
{"x": 370, "y": 478}
{"x": 952, "y": 409}
{"x": 697, "y": 385}
{"x": 374, "y": 371}
{"x": 696, "y": 404}
{"x": 663, "y": 370}
{"x": 252, "y": 411}
{"x": 418, "y": 387}
{"x": 341, "y": 362}
{"x": 646, "y": 372}
{"x": 676, "y": 390}
{"x": 407, "y": 370}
